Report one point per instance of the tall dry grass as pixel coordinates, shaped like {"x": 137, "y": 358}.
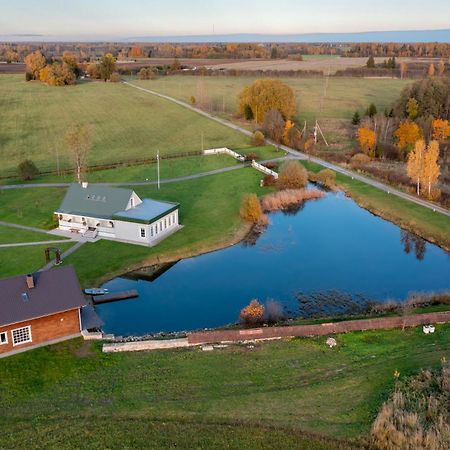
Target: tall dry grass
{"x": 417, "y": 416}
{"x": 288, "y": 198}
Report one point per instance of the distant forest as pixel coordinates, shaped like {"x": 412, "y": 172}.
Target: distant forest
{"x": 86, "y": 52}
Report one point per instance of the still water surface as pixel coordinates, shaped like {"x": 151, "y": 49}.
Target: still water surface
{"x": 330, "y": 244}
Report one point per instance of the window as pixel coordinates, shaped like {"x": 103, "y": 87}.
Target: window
{"x": 131, "y": 202}
{"x": 3, "y": 338}
{"x": 160, "y": 226}
{"x": 143, "y": 232}
{"x": 21, "y": 335}
{"x": 165, "y": 223}
{"x": 151, "y": 231}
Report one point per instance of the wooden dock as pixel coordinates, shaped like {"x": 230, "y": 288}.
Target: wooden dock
{"x": 114, "y": 296}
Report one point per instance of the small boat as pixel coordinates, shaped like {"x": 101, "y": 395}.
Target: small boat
{"x": 96, "y": 291}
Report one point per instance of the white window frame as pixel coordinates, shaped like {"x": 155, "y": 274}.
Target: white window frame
{"x": 21, "y": 342}
{"x": 142, "y": 229}
{"x": 6, "y": 337}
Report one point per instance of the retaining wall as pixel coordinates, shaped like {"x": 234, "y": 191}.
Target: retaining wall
{"x": 209, "y": 337}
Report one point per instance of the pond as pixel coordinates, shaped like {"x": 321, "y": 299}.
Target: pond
{"x": 328, "y": 244}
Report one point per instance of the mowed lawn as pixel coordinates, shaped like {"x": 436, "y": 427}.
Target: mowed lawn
{"x": 26, "y": 259}
{"x": 70, "y": 395}
{"x": 209, "y": 213}
{"x": 338, "y": 98}
{"x": 127, "y": 124}
{"x": 10, "y": 235}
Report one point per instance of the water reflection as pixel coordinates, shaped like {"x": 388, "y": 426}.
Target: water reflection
{"x": 412, "y": 242}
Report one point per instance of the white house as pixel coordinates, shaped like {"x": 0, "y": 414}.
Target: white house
{"x": 117, "y": 214}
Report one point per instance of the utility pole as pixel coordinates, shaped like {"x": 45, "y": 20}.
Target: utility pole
{"x": 157, "y": 161}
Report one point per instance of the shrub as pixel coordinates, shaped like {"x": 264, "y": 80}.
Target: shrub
{"x": 327, "y": 178}
{"x": 292, "y": 176}
{"x": 269, "y": 180}
{"x": 273, "y": 312}
{"x": 359, "y": 160}
{"x": 115, "y": 77}
{"x": 251, "y": 210}
{"x": 28, "y": 76}
{"x": 309, "y": 145}
{"x": 252, "y": 314}
{"x": 251, "y": 156}
{"x": 258, "y": 138}
{"x": 288, "y": 198}
{"x": 28, "y": 170}
{"x": 271, "y": 165}
{"x": 193, "y": 100}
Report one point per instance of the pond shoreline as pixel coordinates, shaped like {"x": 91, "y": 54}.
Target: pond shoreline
{"x": 247, "y": 230}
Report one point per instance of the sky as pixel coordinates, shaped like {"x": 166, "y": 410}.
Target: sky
{"x": 133, "y": 18}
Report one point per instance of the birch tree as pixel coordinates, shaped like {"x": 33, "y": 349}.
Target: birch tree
{"x": 78, "y": 141}
{"x": 431, "y": 170}
{"x": 416, "y": 162}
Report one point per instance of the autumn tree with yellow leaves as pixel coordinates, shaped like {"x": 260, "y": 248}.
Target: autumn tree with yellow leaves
{"x": 441, "y": 129}
{"x": 422, "y": 165}
{"x": 35, "y": 62}
{"x": 265, "y": 95}
{"x": 407, "y": 134}
{"x": 367, "y": 140}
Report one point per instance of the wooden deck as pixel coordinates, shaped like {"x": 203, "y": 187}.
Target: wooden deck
{"x": 114, "y": 296}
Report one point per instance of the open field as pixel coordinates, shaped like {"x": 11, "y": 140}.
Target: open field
{"x": 10, "y": 235}
{"x": 70, "y": 395}
{"x": 127, "y": 124}
{"x": 343, "y": 95}
{"x": 326, "y": 63}
{"x": 209, "y": 212}
{"x": 20, "y": 260}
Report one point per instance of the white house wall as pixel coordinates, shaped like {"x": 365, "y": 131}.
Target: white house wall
{"x": 131, "y": 231}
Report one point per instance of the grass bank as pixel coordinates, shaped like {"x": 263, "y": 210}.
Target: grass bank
{"x": 432, "y": 226}
{"x": 70, "y": 394}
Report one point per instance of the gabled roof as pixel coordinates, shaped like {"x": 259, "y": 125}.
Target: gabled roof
{"x": 146, "y": 212}
{"x": 54, "y": 291}
{"x": 94, "y": 201}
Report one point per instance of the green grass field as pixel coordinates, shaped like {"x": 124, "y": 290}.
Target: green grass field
{"x": 20, "y": 260}
{"x": 343, "y": 95}
{"x": 169, "y": 168}
{"x": 127, "y": 124}
{"x": 209, "y": 212}
{"x": 72, "y": 396}
{"x": 9, "y": 235}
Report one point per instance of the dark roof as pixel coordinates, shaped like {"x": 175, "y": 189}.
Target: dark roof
{"x": 94, "y": 201}
{"x": 54, "y": 291}
{"x": 146, "y": 212}
{"x": 90, "y": 319}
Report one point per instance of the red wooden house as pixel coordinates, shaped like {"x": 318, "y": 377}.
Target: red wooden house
{"x": 40, "y": 308}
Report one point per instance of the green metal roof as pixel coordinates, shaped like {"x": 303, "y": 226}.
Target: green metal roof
{"x": 95, "y": 201}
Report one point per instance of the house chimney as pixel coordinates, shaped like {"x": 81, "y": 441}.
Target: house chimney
{"x": 84, "y": 184}
{"x": 30, "y": 281}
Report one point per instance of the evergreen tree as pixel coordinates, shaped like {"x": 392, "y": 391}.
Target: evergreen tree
{"x": 356, "y": 119}
{"x": 370, "y": 62}
{"x": 371, "y": 110}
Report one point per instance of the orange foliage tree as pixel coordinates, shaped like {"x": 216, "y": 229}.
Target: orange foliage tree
{"x": 367, "y": 140}
{"x": 251, "y": 209}
{"x": 263, "y": 95}
{"x": 407, "y": 134}
{"x": 252, "y": 314}
{"x": 441, "y": 129}
{"x": 288, "y": 125}
{"x": 35, "y": 62}
{"x": 135, "y": 52}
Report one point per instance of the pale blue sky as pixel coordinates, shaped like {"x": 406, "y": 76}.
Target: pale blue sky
{"x": 127, "y": 18}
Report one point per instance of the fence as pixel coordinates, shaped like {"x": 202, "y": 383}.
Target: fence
{"x": 264, "y": 169}
{"x": 224, "y": 150}
{"x": 323, "y": 329}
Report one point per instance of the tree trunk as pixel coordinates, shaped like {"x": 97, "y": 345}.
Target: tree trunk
{"x": 418, "y": 187}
